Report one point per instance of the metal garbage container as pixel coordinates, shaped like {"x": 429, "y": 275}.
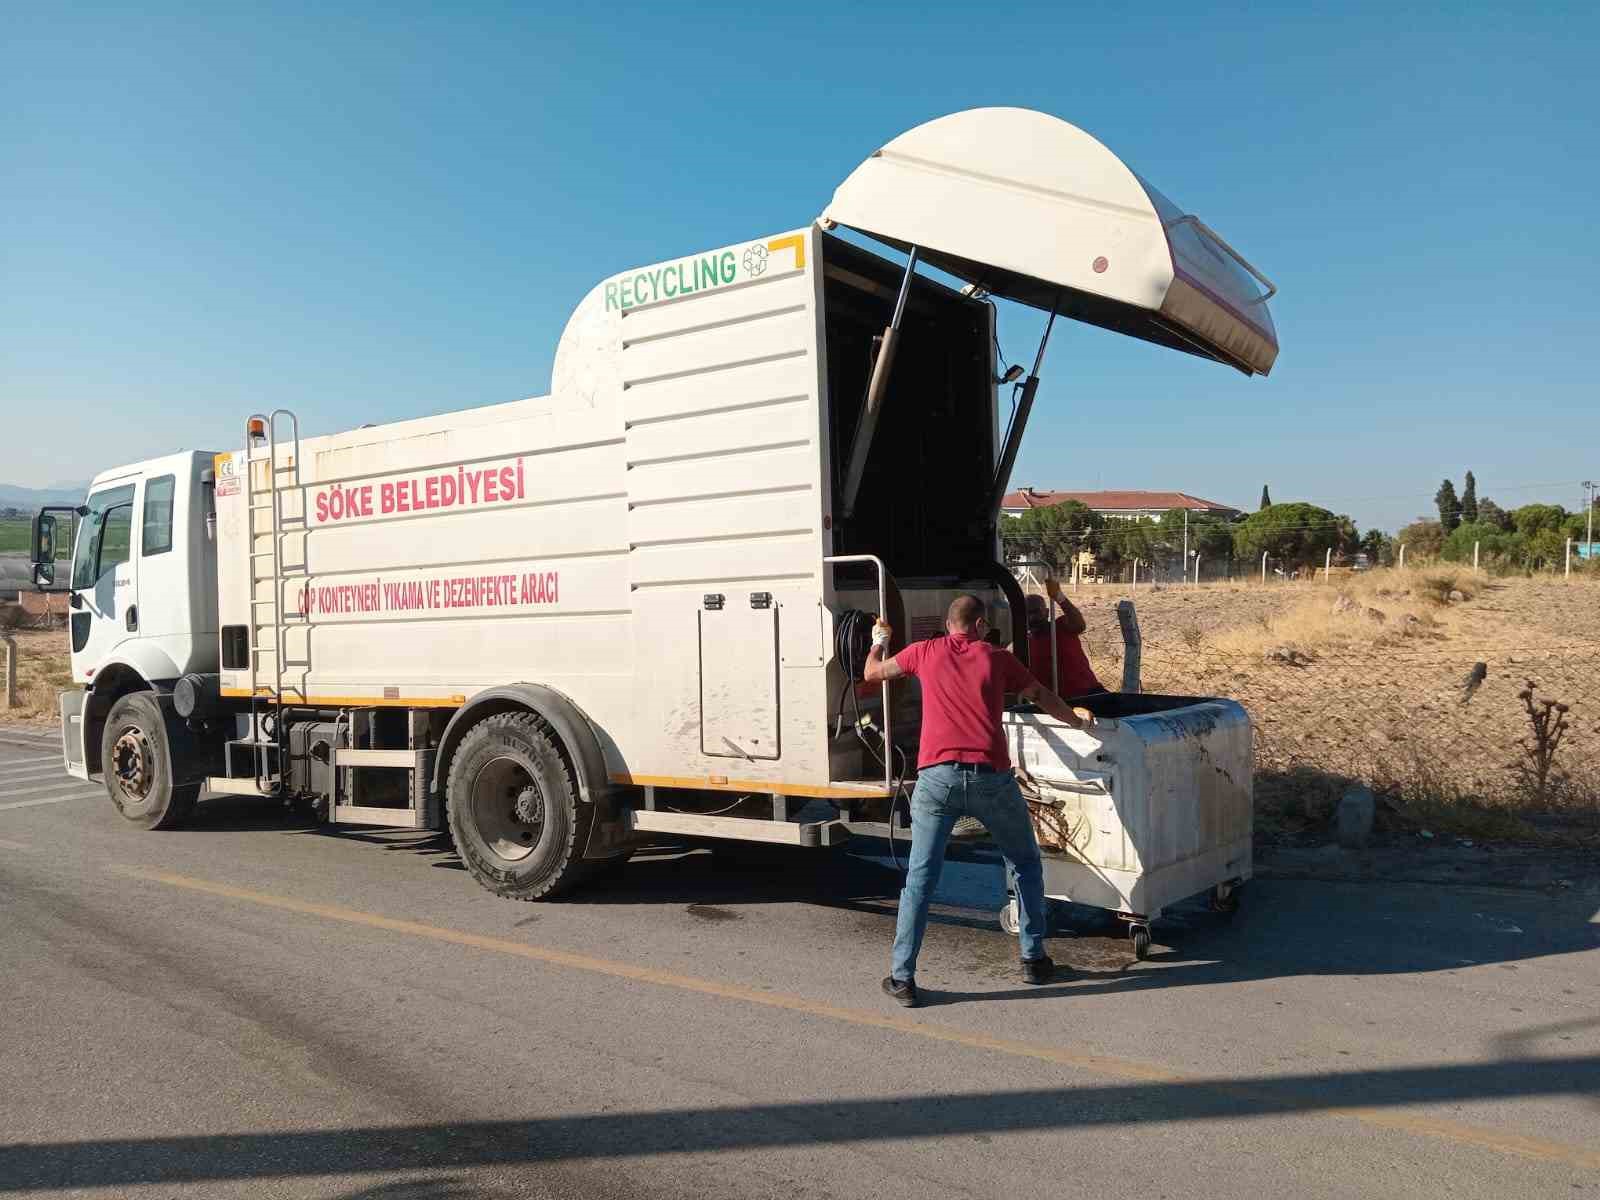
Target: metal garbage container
{"x": 1149, "y": 806}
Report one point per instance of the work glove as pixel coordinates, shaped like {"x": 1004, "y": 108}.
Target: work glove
{"x": 881, "y": 633}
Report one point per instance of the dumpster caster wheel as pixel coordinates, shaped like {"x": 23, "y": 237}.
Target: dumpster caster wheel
{"x": 1139, "y": 936}
{"x": 1225, "y": 899}
{"x": 1008, "y": 919}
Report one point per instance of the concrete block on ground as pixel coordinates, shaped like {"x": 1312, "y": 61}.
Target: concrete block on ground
{"x": 1357, "y": 808}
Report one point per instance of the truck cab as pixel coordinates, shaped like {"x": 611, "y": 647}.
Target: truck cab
{"x": 141, "y": 585}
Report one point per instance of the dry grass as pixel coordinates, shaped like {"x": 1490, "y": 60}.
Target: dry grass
{"x": 1338, "y": 695}
{"x": 43, "y": 669}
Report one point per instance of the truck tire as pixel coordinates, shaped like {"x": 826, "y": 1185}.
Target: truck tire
{"x": 514, "y": 810}
{"x": 145, "y": 759}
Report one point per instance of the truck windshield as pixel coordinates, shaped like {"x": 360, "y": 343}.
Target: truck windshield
{"x": 103, "y": 536}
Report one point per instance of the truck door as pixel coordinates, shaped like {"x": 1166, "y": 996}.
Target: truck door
{"x": 105, "y": 588}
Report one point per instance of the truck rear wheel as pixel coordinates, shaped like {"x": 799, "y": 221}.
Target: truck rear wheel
{"x": 145, "y": 782}
{"x": 514, "y": 810}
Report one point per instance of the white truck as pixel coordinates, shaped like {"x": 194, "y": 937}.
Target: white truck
{"x": 638, "y": 605}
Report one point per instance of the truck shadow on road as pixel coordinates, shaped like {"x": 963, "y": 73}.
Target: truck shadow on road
{"x": 1377, "y": 1096}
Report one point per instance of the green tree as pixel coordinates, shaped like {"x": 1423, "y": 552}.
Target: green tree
{"x": 1300, "y": 534}
{"x": 1495, "y": 545}
{"x": 1547, "y": 548}
{"x": 1266, "y": 500}
{"x": 1533, "y": 519}
{"x": 1053, "y": 535}
{"x": 1214, "y": 538}
{"x": 1377, "y": 546}
{"x": 1469, "y": 500}
{"x": 1490, "y": 513}
{"x": 1126, "y": 540}
{"x": 1209, "y": 536}
{"x": 1449, "y": 506}
{"x": 1422, "y": 538}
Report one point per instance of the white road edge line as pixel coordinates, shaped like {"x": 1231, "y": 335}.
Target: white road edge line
{"x": 33, "y": 803}
{"x": 39, "y": 772}
{"x": 66, "y": 789}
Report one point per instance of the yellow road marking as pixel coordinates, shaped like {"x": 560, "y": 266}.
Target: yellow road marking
{"x": 1506, "y": 1143}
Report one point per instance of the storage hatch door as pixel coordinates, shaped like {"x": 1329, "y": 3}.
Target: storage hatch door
{"x": 739, "y": 677}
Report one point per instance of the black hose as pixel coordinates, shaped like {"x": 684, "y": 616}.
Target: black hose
{"x": 852, "y": 642}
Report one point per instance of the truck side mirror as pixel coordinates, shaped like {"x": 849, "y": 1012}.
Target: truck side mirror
{"x": 44, "y": 541}
{"x": 52, "y": 534}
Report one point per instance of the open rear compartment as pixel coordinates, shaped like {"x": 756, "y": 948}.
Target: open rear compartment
{"x": 1013, "y": 205}
{"x": 925, "y": 501}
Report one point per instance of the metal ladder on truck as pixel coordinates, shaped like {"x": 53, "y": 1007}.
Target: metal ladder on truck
{"x": 268, "y": 620}
{"x": 271, "y": 622}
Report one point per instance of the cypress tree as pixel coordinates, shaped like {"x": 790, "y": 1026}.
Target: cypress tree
{"x": 1469, "y": 500}
{"x": 1449, "y": 506}
{"x": 1266, "y": 500}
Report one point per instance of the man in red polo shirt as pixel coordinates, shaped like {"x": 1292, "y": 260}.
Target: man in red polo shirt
{"x": 964, "y": 769}
{"x": 1073, "y": 676}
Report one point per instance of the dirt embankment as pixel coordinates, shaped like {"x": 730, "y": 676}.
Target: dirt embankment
{"x": 1415, "y": 683}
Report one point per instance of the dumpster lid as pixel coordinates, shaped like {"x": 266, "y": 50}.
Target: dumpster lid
{"x": 1029, "y": 207}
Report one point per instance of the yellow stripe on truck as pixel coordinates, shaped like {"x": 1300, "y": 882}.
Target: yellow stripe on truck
{"x": 350, "y": 701}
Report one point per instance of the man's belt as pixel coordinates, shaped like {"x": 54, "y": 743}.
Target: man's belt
{"x": 974, "y": 768}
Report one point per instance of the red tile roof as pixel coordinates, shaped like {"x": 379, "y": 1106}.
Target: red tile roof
{"x": 1113, "y": 501}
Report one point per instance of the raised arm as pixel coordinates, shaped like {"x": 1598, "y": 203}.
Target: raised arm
{"x": 1075, "y": 622}
{"x": 879, "y": 668}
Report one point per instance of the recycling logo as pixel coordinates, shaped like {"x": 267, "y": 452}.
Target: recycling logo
{"x": 755, "y": 259}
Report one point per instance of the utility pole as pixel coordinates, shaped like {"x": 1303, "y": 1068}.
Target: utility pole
{"x": 1186, "y": 541}
{"x": 1588, "y": 538}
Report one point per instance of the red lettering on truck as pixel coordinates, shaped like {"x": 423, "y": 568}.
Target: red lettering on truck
{"x": 450, "y": 488}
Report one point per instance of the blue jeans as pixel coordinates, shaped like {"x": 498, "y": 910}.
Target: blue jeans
{"x": 942, "y": 796}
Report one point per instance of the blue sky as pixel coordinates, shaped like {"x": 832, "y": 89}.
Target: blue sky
{"x": 367, "y": 212}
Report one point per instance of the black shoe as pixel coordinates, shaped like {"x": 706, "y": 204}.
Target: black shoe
{"x": 902, "y": 991}
{"x": 1038, "y": 970}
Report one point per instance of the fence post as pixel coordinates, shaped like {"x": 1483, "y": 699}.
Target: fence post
{"x": 1263, "y": 566}
{"x": 11, "y": 669}
{"x": 1136, "y": 575}
{"x": 1197, "y": 570}
{"x": 1402, "y": 556}
{"x": 1327, "y": 567}
{"x": 1474, "y": 558}
{"x": 1569, "y": 558}
{"x": 1131, "y": 645}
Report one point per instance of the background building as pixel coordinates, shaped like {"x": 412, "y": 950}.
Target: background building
{"x": 1125, "y": 505}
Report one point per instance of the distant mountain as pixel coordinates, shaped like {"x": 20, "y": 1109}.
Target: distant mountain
{"x": 14, "y": 495}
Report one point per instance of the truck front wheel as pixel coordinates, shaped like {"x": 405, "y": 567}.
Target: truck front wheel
{"x": 136, "y": 755}
{"x": 514, "y": 810}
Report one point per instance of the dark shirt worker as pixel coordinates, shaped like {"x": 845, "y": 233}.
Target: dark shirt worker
{"x": 964, "y": 769}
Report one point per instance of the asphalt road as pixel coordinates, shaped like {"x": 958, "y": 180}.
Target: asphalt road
{"x": 252, "y": 1007}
